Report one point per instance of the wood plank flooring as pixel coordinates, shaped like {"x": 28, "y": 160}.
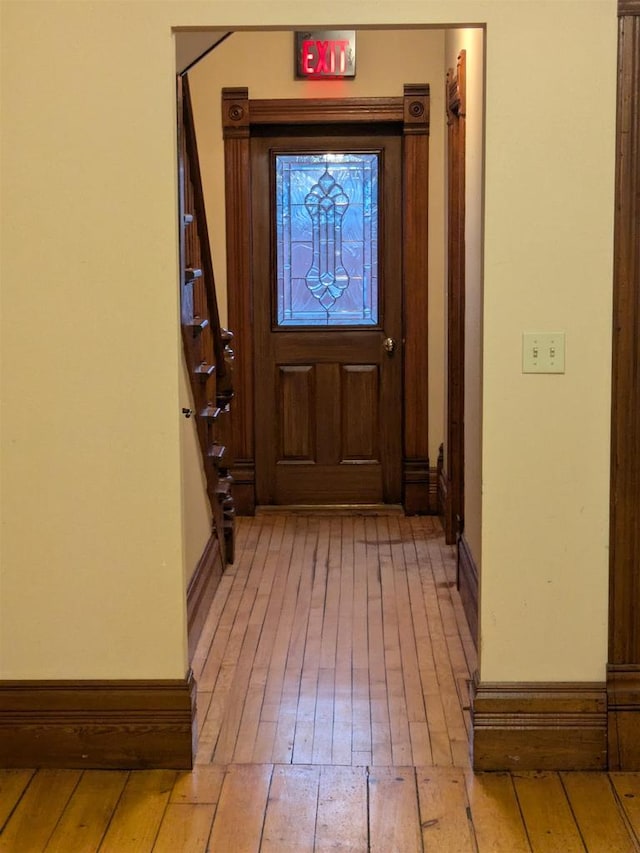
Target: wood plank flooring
{"x": 333, "y": 714}
{"x": 336, "y": 640}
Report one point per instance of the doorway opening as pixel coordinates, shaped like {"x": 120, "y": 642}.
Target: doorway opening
{"x": 429, "y": 54}
{"x": 332, "y": 272}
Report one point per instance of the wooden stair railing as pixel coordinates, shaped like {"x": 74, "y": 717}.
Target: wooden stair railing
{"x": 207, "y": 346}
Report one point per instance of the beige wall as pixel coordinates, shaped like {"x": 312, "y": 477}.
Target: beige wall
{"x": 191, "y": 45}
{"x": 92, "y": 551}
{"x": 471, "y": 41}
{"x": 92, "y": 564}
{"x": 547, "y": 266}
{"x": 263, "y": 62}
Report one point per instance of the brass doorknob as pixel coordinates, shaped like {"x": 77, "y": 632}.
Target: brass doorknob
{"x": 389, "y": 344}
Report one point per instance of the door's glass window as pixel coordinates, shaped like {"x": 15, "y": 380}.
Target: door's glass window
{"x": 326, "y": 239}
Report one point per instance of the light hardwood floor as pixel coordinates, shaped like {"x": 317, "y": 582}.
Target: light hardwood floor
{"x": 333, "y": 714}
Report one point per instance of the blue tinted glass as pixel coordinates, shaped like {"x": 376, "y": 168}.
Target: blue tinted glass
{"x": 326, "y": 239}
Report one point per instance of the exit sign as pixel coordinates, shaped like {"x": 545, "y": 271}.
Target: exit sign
{"x": 325, "y": 53}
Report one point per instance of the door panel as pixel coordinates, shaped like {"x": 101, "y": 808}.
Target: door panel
{"x": 360, "y": 393}
{"x": 327, "y": 394}
{"x": 296, "y": 412}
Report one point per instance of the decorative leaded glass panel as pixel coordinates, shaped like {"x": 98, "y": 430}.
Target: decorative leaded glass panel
{"x": 327, "y": 239}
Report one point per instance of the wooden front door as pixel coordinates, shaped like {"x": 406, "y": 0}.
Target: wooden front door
{"x": 327, "y": 290}
{"x": 321, "y": 412}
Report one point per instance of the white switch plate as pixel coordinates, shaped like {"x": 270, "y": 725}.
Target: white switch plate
{"x": 543, "y": 352}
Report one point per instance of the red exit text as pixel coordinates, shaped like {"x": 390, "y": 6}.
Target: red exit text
{"x": 325, "y": 54}
{"x": 324, "y": 57}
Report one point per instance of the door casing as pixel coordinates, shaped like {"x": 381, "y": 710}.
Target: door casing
{"x": 623, "y": 671}
{"x": 456, "y": 110}
{"x": 241, "y": 116}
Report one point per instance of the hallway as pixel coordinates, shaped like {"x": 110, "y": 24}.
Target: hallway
{"x": 336, "y": 640}
{"x": 333, "y": 715}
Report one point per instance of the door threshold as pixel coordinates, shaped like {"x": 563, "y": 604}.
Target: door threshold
{"x": 332, "y": 509}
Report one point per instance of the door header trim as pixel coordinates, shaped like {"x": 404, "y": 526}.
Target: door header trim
{"x": 239, "y": 113}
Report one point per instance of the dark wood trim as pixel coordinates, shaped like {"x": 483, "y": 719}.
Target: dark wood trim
{"x": 235, "y": 126}
{"x": 442, "y": 484}
{"x": 202, "y": 587}
{"x": 433, "y": 492}
{"x": 416, "y": 476}
{"x": 244, "y": 487}
{"x": 624, "y": 569}
{"x": 411, "y": 112}
{"x": 415, "y": 260}
{"x": 628, "y": 7}
{"x": 623, "y": 698}
{"x": 625, "y": 460}
{"x": 327, "y": 111}
{"x": 235, "y": 113}
{"x": 420, "y": 488}
{"x": 468, "y": 586}
{"x": 539, "y": 726}
{"x": 98, "y": 724}
{"x": 456, "y": 111}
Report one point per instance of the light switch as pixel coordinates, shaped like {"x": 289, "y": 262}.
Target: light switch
{"x": 543, "y": 352}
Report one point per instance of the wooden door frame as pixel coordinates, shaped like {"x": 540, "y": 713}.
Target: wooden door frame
{"x": 456, "y": 104}
{"x": 410, "y": 113}
{"x": 623, "y": 671}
